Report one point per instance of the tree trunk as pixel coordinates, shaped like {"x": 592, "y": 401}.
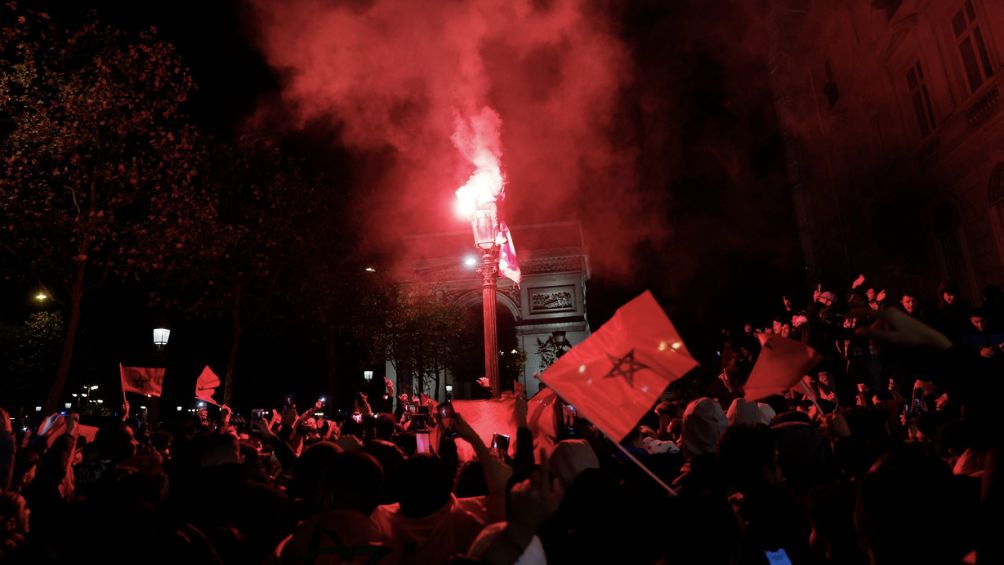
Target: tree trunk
{"x": 76, "y": 295}
{"x": 235, "y": 343}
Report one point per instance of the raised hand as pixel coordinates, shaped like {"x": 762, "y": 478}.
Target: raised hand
{"x": 72, "y": 420}
{"x": 265, "y": 427}
{"x": 49, "y": 423}
{"x": 465, "y": 431}
{"x": 520, "y": 410}
{"x": 533, "y": 501}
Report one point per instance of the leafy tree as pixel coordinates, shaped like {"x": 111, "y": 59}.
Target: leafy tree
{"x": 422, "y": 336}
{"x": 100, "y": 165}
{"x": 243, "y": 263}
{"x": 28, "y": 352}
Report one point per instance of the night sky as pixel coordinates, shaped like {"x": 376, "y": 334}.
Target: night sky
{"x": 717, "y": 244}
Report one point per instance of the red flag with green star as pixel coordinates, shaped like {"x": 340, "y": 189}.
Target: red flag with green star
{"x": 618, "y": 373}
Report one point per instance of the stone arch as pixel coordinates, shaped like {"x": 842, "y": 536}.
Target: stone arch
{"x": 473, "y": 297}
{"x": 551, "y": 298}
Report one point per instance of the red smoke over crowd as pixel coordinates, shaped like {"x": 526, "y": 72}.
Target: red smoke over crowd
{"x": 411, "y": 82}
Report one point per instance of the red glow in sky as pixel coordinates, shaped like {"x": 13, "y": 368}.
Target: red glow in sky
{"x": 449, "y": 88}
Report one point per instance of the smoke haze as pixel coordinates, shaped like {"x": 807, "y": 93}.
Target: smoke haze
{"x": 395, "y": 77}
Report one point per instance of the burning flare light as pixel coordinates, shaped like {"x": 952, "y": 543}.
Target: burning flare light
{"x": 477, "y": 138}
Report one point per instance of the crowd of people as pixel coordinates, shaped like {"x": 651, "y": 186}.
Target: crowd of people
{"x": 888, "y": 452}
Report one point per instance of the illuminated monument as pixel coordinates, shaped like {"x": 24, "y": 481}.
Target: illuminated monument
{"x": 547, "y": 311}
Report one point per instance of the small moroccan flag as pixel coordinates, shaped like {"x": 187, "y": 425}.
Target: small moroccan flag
{"x": 142, "y": 380}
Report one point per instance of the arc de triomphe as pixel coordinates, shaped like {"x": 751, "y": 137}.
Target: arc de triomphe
{"x": 549, "y": 305}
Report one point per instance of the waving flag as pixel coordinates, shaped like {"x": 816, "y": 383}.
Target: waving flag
{"x": 617, "y": 374}
{"x": 486, "y": 417}
{"x": 142, "y": 380}
{"x": 780, "y": 365}
{"x": 205, "y": 387}
{"x": 508, "y": 262}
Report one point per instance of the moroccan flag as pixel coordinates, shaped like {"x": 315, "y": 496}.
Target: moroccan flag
{"x": 781, "y": 365}
{"x": 508, "y": 262}
{"x": 487, "y": 417}
{"x": 205, "y": 387}
{"x": 142, "y": 380}
{"x": 617, "y": 374}
{"x": 90, "y": 433}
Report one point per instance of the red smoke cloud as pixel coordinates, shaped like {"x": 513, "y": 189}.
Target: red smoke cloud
{"x": 397, "y": 76}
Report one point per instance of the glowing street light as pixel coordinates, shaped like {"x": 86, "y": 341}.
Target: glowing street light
{"x": 41, "y": 297}
{"x": 160, "y": 337}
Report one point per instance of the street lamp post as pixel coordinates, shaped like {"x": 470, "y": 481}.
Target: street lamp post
{"x": 485, "y": 224}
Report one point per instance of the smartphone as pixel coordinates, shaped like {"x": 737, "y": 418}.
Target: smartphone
{"x": 447, "y": 418}
{"x": 917, "y": 401}
{"x": 256, "y": 415}
{"x": 500, "y": 443}
{"x": 568, "y": 418}
{"x": 422, "y": 443}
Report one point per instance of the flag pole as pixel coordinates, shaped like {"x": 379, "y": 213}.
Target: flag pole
{"x": 669, "y": 489}
{"x": 124, "y": 401}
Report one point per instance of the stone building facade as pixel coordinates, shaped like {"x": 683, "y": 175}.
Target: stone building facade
{"x": 893, "y": 130}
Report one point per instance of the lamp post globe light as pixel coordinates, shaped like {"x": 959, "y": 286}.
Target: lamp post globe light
{"x": 160, "y": 337}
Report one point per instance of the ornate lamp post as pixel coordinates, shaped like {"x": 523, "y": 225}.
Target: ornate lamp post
{"x": 485, "y": 224}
